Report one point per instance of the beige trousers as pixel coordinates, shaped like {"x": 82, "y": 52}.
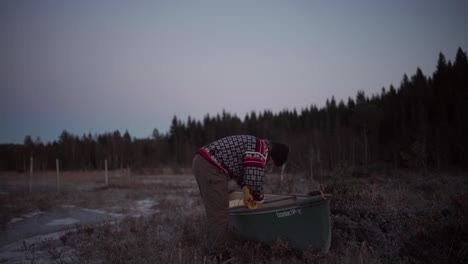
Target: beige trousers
{"x": 213, "y": 186}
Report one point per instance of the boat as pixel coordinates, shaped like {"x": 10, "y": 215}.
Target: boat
{"x": 303, "y": 221}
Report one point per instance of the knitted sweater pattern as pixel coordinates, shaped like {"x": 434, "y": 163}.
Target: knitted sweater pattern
{"x": 241, "y": 158}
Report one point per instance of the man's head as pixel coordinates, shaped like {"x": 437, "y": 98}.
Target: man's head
{"x": 279, "y": 153}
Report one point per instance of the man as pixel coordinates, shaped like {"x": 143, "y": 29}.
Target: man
{"x": 242, "y": 158}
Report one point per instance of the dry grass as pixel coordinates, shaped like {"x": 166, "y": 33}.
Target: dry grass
{"x": 398, "y": 217}
{"x": 84, "y": 190}
{"x": 76, "y": 177}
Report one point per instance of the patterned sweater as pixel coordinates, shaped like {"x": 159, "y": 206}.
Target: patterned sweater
{"x": 241, "y": 158}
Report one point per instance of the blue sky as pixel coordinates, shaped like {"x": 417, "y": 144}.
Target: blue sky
{"x": 99, "y": 66}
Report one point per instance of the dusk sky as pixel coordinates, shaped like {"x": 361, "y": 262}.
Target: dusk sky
{"x": 99, "y": 66}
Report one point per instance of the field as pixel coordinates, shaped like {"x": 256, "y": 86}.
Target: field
{"x": 158, "y": 217}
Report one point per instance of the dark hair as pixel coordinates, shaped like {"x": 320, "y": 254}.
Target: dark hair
{"x": 279, "y": 153}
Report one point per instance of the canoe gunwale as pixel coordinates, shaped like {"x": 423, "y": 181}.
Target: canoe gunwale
{"x": 300, "y": 201}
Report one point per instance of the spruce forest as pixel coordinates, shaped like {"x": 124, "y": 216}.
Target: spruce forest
{"x": 422, "y": 124}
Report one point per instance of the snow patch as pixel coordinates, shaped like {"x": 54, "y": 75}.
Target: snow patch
{"x": 63, "y": 221}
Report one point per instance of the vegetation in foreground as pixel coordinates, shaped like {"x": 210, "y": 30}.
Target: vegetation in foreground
{"x": 398, "y": 217}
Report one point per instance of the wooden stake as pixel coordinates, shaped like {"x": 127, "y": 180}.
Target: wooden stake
{"x": 105, "y": 166}
{"x": 30, "y": 172}
{"x": 128, "y": 174}
{"x": 58, "y": 174}
{"x": 282, "y": 172}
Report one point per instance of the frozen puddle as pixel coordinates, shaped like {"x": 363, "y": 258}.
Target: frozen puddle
{"x": 39, "y": 226}
{"x": 63, "y": 221}
{"x": 42, "y": 223}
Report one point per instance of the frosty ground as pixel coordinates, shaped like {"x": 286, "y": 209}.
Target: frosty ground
{"x": 30, "y": 219}
{"x": 153, "y": 217}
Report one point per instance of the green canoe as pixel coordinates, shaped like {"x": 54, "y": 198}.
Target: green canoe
{"x": 304, "y": 221}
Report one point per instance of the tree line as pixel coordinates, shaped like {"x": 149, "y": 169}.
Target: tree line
{"x": 420, "y": 124}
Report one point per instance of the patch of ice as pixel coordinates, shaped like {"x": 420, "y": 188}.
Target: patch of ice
{"x": 143, "y": 207}
{"x": 140, "y": 214}
{"x": 63, "y": 221}
{"x": 16, "y": 219}
{"x": 29, "y": 215}
{"x": 116, "y": 215}
{"x": 96, "y": 211}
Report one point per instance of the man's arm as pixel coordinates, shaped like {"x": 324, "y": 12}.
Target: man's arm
{"x": 254, "y": 172}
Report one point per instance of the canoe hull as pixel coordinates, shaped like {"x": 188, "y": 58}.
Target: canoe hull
{"x": 304, "y": 222}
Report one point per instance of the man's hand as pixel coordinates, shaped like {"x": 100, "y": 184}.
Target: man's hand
{"x": 248, "y": 199}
